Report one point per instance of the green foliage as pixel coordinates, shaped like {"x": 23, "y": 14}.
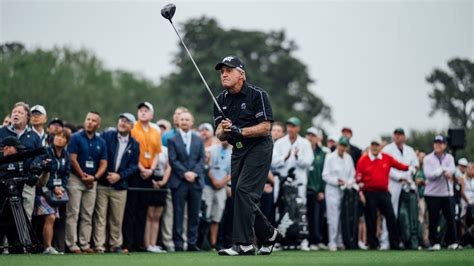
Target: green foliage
{"x": 269, "y": 65}
{"x": 423, "y": 141}
{"x": 453, "y": 93}
{"x": 68, "y": 83}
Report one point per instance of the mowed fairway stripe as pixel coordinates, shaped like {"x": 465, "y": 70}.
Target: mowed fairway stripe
{"x": 283, "y": 258}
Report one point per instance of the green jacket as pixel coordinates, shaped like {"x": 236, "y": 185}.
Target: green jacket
{"x": 421, "y": 175}
{"x": 316, "y": 183}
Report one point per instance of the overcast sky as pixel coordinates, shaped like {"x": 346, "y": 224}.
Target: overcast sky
{"x": 369, "y": 58}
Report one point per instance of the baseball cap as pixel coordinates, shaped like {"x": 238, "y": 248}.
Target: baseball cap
{"x": 11, "y": 141}
{"x": 377, "y": 140}
{"x": 399, "y": 131}
{"x": 343, "y": 141}
{"x": 147, "y": 105}
{"x": 295, "y": 121}
{"x": 348, "y": 129}
{"x": 230, "y": 61}
{"x": 38, "y": 108}
{"x": 56, "y": 120}
{"x": 314, "y": 131}
{"x": 440, "y": 138}
{"x": 128, "y": 116}
{"x": 332, "y": 138}
{"x": 206, "y": 126}
{"x": 463, "y": 162}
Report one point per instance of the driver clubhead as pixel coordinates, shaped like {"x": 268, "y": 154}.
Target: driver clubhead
{"x": 168, "y": 11}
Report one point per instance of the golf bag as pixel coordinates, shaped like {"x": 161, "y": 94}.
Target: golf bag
{"x": 468, "y": 237}
{"x": 350, "y": 218}
{"x": 408, "y": 218}
{"x": 292, "y": 221}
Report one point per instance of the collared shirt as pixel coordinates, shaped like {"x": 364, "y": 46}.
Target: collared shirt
{"x": 219, "y": 162}
{"x": 435, "y": 183}
{"x": 247, "y": 108}
{"x": 42, "y": 136}
{"x": 150, "y": 143}
{"x": 122, "y": 145}
{"x": 372, "y": 157}
{"x": 89, "y": 151}
{"x": 337, "y": 167}
{"x": 27, "y": 138}
{"x": 186, "y": 136}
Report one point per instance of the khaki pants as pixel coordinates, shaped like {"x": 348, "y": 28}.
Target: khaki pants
{"x": 28, "y": 196}
{"x": 81, "y": 202}
{"x": 109, "y": 211}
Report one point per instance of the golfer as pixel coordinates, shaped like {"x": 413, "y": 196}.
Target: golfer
{"x": 246, "y": 126}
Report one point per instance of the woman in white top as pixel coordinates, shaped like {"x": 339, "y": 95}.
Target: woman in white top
{"x": 338, "y": 172}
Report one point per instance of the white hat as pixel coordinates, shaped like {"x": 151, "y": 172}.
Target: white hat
{"x": 314, "y": 131}
{"x": 206, "y": 126}
{"x": 147, "y": 105}
{"x": 38, "y": 108}
{"x": 377, "y": 140}
{"x": 463, "y": 162}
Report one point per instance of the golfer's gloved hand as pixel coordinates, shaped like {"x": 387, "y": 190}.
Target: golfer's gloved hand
{"x": 235, "y": 133}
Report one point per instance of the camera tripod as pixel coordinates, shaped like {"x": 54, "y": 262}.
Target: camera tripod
{"x": 26, "y": 237}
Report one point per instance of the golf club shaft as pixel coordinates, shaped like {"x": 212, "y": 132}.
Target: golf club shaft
{"x": 199, "y": 71}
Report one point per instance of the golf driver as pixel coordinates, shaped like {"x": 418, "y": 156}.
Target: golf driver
{"x": 168, "y": 12}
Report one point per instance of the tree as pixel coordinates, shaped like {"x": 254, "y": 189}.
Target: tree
{"x": 269, "y": 63}
{"x": 68, "y": 83}
{"x": 453, "y": 93}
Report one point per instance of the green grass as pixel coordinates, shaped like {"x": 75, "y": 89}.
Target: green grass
{"x": 287, "y": 258}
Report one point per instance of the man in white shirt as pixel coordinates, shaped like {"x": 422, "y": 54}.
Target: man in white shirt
{"x": 338, "y": 173}
{"x": 294, "y": 151}
{"x": 404, "y": 154}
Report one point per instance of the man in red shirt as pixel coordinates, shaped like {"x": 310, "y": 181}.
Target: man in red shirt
{"x": 372, "y": 174}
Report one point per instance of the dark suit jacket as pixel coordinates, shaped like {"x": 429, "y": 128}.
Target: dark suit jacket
{"x": 181, "y": 162}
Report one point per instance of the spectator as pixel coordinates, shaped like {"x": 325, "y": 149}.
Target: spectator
{"x": 20, "y": 119}
{"x": 332, "y": 143}
{"x": 214, "y": 192}
{"x": 373, "y": 175}
{"x": 53, "y": 182}
{"x": 404, "y": 154}
{"x": 122, "y": 154}
{"x": 173, "y": 131}
{"x": 294, "y": 151}
{"x": 278, "y": 131}
{"x": 164, "y": 125}
{"x": 55, "y": 126}
{"x": 88, "y": 154}
{"x": 338, "y": 172}
{"x": 206, "y": 131}
{"x": 156, "y": 202}
{"x": 354, "y": 151}
{"x": 6, "y": 121}
{"x": 186, "y": 156}
{"x": 315, "y": 191}
{"x": 420, "y": 181}
{"x": 439, "y": 170}
{"x": 38, "y": 120}
{"x": 149, "y": 140}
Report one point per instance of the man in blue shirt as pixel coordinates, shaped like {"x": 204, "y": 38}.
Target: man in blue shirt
{"x": 214, "y": 193}
{"x": 89, "y": 162}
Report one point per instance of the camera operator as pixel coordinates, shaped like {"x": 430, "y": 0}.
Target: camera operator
{"x": 19, "y": 128}
{"x": 9, "y": 146}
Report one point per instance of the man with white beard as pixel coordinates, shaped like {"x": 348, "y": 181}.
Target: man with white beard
{"x": 404, "y": 154}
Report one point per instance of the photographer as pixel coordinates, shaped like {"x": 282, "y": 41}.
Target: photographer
{"x": 19, "y": 128}
{"x": 9, "y": 146}
{"x": 53, "y": 184}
